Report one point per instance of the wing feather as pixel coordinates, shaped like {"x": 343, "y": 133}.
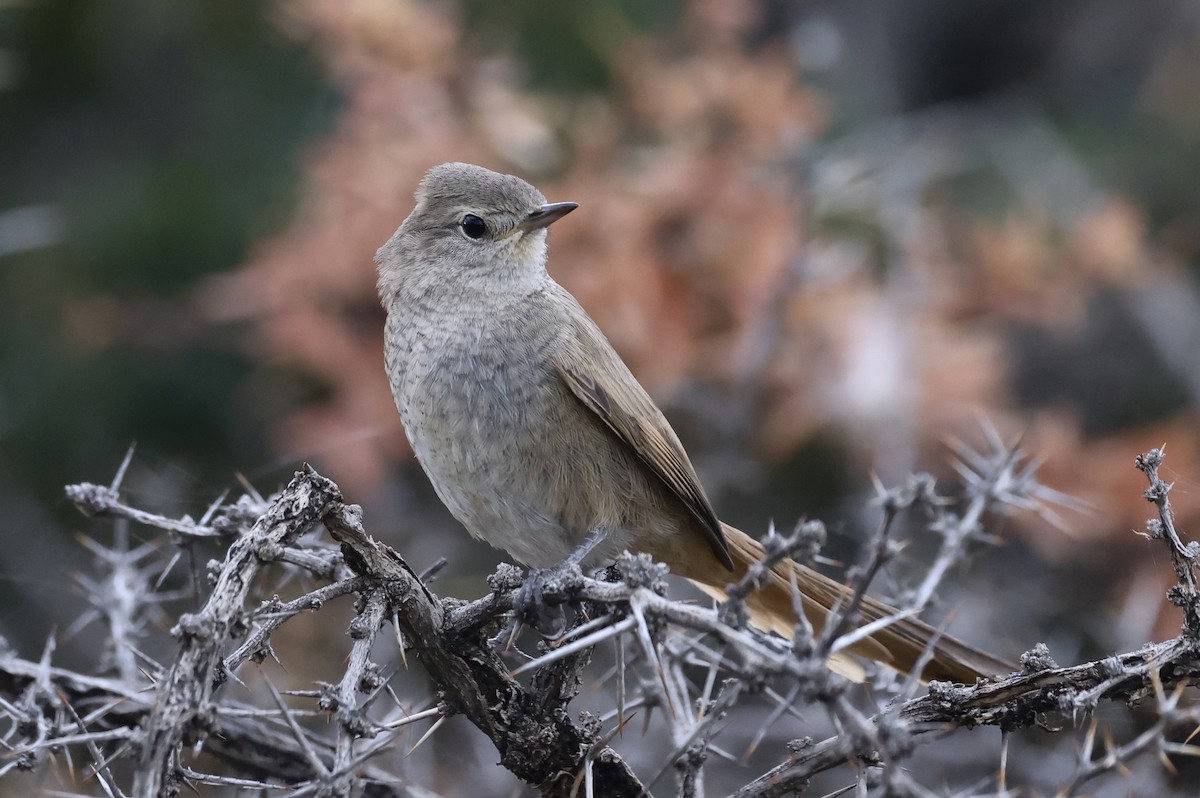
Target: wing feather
{"x": 626, "y": 409}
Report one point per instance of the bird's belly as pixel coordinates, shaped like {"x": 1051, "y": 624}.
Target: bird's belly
{"x": 485, "y": 442}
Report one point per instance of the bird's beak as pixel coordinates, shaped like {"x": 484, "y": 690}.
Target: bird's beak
{"x": 544, "y": 216}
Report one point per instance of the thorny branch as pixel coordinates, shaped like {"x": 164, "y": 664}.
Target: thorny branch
{"x": 182, "y": 709}
{"x": 544, "y": 748}
{"x": 1185, "y": 594}
{"x": 150, "y": 714}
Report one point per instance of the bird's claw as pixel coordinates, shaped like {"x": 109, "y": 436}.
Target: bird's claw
{"x": 529, "y": 603}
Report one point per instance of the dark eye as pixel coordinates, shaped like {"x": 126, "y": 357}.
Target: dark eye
{"x": 472, "y": 226}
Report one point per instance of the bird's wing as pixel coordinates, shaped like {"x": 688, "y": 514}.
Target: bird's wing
{"x": 606, "y": 387}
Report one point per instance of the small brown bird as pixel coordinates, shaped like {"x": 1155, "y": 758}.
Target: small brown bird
{"x": 536, "y": 435}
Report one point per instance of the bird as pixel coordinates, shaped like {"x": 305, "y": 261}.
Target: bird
{"x": 538, "y": 438}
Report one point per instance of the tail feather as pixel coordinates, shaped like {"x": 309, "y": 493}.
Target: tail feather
{"x": 840, "y": 662}
{"x": 901, "y": 645}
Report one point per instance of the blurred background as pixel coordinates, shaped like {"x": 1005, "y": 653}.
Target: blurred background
{"x": 827, "y": 236}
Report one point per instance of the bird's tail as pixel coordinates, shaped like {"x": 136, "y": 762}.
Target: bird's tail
{"x": 900, "y": 645}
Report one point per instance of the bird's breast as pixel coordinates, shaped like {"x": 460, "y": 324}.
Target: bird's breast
{"x": 479, "y": 401}
{"x": 510, "y": 450}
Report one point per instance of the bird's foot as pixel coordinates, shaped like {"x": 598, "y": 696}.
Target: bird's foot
{"x": 530, "y": 604}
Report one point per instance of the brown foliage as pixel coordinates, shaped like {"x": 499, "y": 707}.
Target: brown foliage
{"x": 839, "y": 287}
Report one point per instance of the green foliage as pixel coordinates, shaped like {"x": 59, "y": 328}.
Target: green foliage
{"x": 164, "y": 139}
{"x": 567, "y": 47}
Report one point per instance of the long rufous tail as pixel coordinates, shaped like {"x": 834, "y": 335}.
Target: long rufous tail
{"x": 900, "y": 645}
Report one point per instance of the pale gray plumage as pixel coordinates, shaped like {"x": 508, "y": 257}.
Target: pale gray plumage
{"x": 533, "y": 431}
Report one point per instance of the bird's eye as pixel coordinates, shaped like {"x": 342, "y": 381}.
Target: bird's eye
{"x": 473, "y": 227}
